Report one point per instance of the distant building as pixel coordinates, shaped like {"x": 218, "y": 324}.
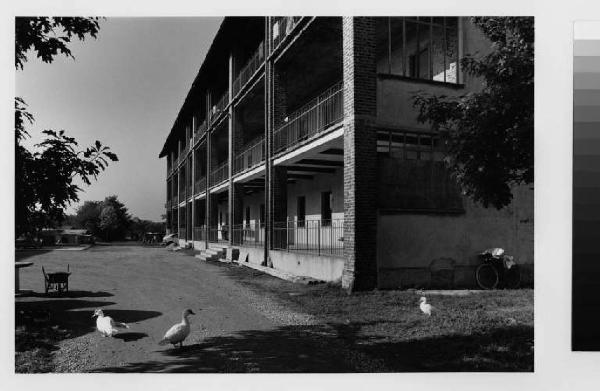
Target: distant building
{"x": 298, "y": 145}
{"x": 65, "y": 236}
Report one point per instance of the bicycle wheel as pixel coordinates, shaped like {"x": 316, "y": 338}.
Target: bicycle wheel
{"x": 487, "y": 276}
{"x": 512, "y": 278}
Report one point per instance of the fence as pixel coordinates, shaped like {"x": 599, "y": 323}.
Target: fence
{"x": 199, "y": 233}
{"x": 251, "y": 235}
{"x": 249, "y": 69}
{"x": 200, "y": 185}
{"x": 250, "y": 157}
{"x": 282, "y": 27}
{"x": 200, "y": 130}
{"x": 317, "y": 237}
{"x": 218, "y": 234}
{"x": 219, "y": 174}
{"x": 220, "y": 106}
{"x": 314, "y": 117}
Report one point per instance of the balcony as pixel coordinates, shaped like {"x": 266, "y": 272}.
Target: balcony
{"x": 200, "y": 130}
{"x": 250, "y": 235}
{"x": 219, "y": 174}
{"x": 313, "y": 118}
{"x": 200, "y": 185}
{"x": 219, "y": 108}
{"x": 251, "y": 156}
{"x": 315, "y": 237}
{"x": 282, "y": 27}
{"x": 249, "y": 69}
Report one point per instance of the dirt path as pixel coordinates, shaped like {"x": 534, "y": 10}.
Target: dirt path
{"x": 235, "y": 329}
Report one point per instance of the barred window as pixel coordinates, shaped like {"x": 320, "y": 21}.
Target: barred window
{"x": 419, "y": 47}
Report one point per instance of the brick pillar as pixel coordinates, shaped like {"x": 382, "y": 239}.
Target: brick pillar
{"x": 360, "y": 154}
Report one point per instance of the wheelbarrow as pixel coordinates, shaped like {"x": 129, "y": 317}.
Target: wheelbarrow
{"x": 58, "y": 281}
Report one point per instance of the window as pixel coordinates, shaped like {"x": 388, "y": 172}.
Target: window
{"x": 326, "y": 208}
{"x": 422, "y": 48}
{"x": 301, "y": 210}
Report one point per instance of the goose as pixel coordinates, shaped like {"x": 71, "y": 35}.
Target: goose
{"x": 425, "y": 307}
{"x": 179, "y": 331}
{"x": 106, "y": 325}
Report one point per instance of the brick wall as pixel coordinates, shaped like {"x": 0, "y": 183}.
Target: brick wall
{"x": 360, "y": 154}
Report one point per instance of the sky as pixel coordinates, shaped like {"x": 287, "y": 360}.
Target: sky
{"x": 125, "y": 89}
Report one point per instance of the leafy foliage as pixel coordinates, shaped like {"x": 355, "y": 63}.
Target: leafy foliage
{"x": 489, "y": 134}
{"x": 45, "y": 178}
{"x": 50, "y": 36}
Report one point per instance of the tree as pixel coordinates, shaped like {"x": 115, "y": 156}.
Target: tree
{"x": 49, "y": 36}
{"x": 114, "y": 219}
{"x": 45, "y": 178}
{"x": 489, "y": 134}
{"x": 88, "y": 216}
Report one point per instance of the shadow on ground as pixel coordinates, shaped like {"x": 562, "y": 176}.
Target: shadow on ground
{"x": 338, "y": 348}
{"x": 69, "y": 294}
{"x": 41, "y": 324}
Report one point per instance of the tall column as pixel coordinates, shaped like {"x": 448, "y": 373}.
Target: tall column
{"x": 193, "y": 173}
{"x": 277, "y": 181}
{"x": 360, "y": 154}
{"x": 208, "y": 168}
{"x": 268, "y": 138}
{"x": 231, "y": 152}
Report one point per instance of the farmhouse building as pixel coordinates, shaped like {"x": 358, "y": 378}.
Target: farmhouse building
{"x": 298, "y": 148}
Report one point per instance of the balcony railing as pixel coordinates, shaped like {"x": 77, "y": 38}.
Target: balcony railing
{"x": 251, "y": 235}
{"x": 218, "y": 234}
{"x": 282, "y": 27}
{"x": 249, "y": 69}
{"x": 199, "y": 233}
{"x": 313, "y": 118}
{"x": 200, "y": 130}
{"x": 317, "y": 237}
{"x": 250, "y": 157}
{"x": 219, "y": 108}
{"x": 200, "y": 185}
{"x": 219, "y": 174}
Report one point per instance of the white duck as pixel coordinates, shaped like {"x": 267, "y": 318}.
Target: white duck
{"x": 179, "y": 332}
{"x": 106, "y": 325}
{"x": 425, "y": 307}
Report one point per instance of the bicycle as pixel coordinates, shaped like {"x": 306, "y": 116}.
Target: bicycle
{"x": 497, "y": 270}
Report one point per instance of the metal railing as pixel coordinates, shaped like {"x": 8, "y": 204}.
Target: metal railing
{"x": 250, "y": 157}
{"x": 200, "y": 185}
{"x": 317, "y": 237}
{"x": 219, "y": 108}
{"x": 282, "y": 27}
{"x": 314, "y": 117}
{"x": 250, "y": 235}
{"x": 199, "y": 233}
{"x": 219, "y": 174}
{"x": 218, "y": 234}
{"x": 200, "y": 129}
{"x": 249, "y": 69}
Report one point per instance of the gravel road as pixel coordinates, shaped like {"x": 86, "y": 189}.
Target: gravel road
{"x": 235, "y": 329}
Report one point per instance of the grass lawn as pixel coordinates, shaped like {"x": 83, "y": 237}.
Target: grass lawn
{"x": 479, "y": 331}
